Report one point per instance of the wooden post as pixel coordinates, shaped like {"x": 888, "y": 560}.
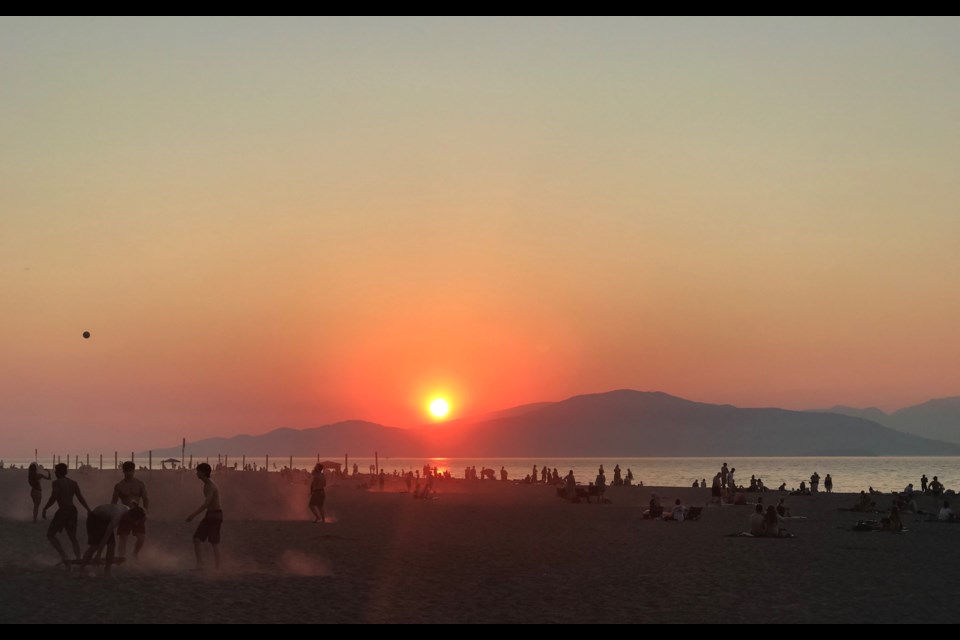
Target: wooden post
{"x": 226, "y": 461}
{"x": 268, "y": 462}
{"x": 116, "y": 460}
{"x": 132, "y": 458}
{"x": 68, "y": 461}
{"x": 183, "y": 453}
{"x": 88, "y": 459}
{"x": 35, "y": 458}
{"x": 291, "y": 463}
{"x": 150, "y": 460}
{"x": 346, "y": 460}
{"x": 191, "y": 461}
{"x": 243, "y": 463}
{"x": 376, "y": 458}
{"x": 101, "y": 462}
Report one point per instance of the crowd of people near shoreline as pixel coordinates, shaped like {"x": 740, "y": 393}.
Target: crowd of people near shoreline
{"x": 110, "y": 524}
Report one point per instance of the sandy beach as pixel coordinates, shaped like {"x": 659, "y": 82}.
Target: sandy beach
{"x": 481, "y": 552}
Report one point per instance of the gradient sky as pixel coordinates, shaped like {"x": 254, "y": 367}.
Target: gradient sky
{"x": 281, "y": 222}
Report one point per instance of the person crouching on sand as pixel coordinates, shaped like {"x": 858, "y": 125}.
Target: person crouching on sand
{"x": 101, "y": 524}
{"x": 209, "y": 527}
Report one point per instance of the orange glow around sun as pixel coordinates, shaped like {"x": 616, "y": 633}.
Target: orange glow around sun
{"x": 439, "y": 408}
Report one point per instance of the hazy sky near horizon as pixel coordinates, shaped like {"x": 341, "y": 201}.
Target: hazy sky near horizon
{"x": 288, "y": 222}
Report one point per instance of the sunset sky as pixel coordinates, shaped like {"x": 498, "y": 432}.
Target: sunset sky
{"x": 277, "y": 222}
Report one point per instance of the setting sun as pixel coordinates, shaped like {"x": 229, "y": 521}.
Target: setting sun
{"x": 439, "y": 408}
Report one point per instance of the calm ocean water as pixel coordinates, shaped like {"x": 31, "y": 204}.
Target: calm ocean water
{"x": 849, "y": 474}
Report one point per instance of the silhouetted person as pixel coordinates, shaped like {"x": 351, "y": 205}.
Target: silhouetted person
{"x": 570, "y": 483}
{"x": 716, "y": 492}
{"x": 753, "y": 483}
{"x": 679, "y": 511}
{"x": 503, "y": 474}
{"x": 601, "y": 484}
{"x": 864, "y": 503}
{"x": 946, "y": 513}
{"x": 936, "y": 489}
{"x": 892, "y": 522}
{"x": 556, "y": 477}
{"x": 628, "y": 479}
{"x": 534, "y": 475}
{"x": 209, "y": 528}
{"x": 923, "y": 484}
{"x": 815, "y": 483}
{"x": 617, "y": 479}
{"x": 656, "y": 509}
{"x": 131, "y": 492}
{"x": 731, "y": 481}
{"x": 703, "y": 483}
{"x": 757, "y": 520}
{"x": 828, "y": 483}
{"x": 65, "y": 519}
{"x": 101, "y": 524}
{"x": 782, "y": 510}
{"x": 318, "y": 494}
{"x": 771, "y": 523}
{"x": 34, "y": 476}
{"x": 724, "y": 475}
{"x": 382, "y": 479}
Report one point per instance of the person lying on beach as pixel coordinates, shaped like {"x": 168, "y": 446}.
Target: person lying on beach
{"x": 101, "y": 523}
{"x": 65, "y": 519}
{"x": 946, "y": 513}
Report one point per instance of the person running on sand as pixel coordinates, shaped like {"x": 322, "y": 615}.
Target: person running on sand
{"x": 34, "y": 476}
{"x": 318, "y": 494}
{"x": 65, "y": 519}
{"x": 828, "y": 483}
{"x": 209, "y": 527}
{"x": 132, "y": 493}
{"x": 101, "y": 523}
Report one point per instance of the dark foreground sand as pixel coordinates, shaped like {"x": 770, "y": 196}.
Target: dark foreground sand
{"x": 484, "y": 552}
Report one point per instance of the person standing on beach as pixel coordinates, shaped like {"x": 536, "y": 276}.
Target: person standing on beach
{"x": 131, "y": 492}
{"x": 34, "y": 476}
{"x": 617, "y": 478}
{"x": 209, "y": 527}
{"x": 318, "y": 494}
{"x": 716, "y": 492}
{"x": 65, "y": 519}
{"x": 731, "y": 482}
{"x": 570, "y": 483}
{"x": 601, "y": 485}
{"x": 923, "y": 484}
{"x": 815, "y": 482}
{"x": 724, "y": 473}
{"x": 828, "y": 483}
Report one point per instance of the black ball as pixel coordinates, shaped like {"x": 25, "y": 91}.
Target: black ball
{"x": 86, "y": 335}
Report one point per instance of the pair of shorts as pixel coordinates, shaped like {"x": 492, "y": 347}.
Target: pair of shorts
{"x": 134, "y": 522}
{"x": 96, "y": 527}
{"x": 65, "y": 519}
{"x": 209, "y": 528}
{"x": 317, "y": 498}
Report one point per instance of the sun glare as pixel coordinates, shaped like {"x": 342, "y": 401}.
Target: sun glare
{"x": 439, "y": 408}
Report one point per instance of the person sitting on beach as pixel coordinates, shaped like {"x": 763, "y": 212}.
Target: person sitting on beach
{"x": 756, "y": 522}
{"x": 782, "y": 509}
{"x": 864, "y": 504}
{"x": 570, "y": 484}
{"x": 679, "y": 511}
{"x": 946, "y": 513}
{"x": 908, "y": 491}
{"x": 803, "y": 489}
{"x": 760, "y": 486}
{"x": 771, "y": 524}
{"x": 656, "y": 509}
{"x": 753, "y": 484}
{"x": 892, "y": 522}
{"x": 65, "y": 519}
{"x": 696, "y": 484}
{"x": 936, "y": 489}
{"x": 828, "y": 483}
{"x": 703, "y": 483}
{"x": 782, "y": 487}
